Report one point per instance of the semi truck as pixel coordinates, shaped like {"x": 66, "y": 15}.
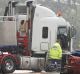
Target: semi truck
{"x": 28, "y": 50}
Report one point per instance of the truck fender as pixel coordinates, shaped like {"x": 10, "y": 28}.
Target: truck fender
{"x": 14, "y": 57}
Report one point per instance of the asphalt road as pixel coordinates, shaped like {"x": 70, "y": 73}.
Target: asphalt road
{"x": 30, "y": 72}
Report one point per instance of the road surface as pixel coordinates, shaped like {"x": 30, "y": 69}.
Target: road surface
{"x": 30, "y": 72}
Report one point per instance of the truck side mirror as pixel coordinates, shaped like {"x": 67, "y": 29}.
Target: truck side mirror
{"x": 73, "y": 31}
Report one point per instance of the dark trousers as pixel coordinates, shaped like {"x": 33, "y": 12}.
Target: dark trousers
{"x": 63, "y": 62}
{"x": 55, "y": 60}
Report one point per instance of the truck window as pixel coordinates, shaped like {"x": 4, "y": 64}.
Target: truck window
{"x": 45, "y": 32}
{"x": 20, "y": 10}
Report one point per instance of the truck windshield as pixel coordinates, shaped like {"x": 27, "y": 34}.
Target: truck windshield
{"x": 20, "y": 10}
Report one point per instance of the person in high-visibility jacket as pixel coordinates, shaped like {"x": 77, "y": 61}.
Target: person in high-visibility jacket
{"x": 55, "y": 54}
{"x": 56, "y": 51}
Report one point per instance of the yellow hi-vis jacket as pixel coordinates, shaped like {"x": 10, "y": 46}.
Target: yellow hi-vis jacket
{"x": 55, "y": 52}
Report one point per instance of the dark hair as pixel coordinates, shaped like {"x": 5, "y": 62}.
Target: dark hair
{"x": 22, "y": 21}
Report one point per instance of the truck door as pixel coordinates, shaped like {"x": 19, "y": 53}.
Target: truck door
{"x": 44, "y": 35}
{"x": 45, "y": 38}
{"x": 63, "y": 36}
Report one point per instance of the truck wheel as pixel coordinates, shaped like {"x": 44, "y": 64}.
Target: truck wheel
{"x": 8, "y": 65}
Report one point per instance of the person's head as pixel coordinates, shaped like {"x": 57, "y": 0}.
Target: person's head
{"x": 22, "y": 22}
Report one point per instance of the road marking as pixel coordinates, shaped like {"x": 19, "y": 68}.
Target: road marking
{"x": 22, "y": 71}
{"x": 31, "y": 72}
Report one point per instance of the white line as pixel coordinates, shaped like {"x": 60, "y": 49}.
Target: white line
{"x": 22, "y": 71}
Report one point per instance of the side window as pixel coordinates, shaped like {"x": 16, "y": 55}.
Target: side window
{"x": 62, "y": 30}
{"x": 45, "y": 32}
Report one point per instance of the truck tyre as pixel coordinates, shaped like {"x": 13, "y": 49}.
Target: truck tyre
{"x": 8, "y": 65}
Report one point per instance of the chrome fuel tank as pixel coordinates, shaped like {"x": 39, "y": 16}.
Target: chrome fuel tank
{"x": 28, "y": 62}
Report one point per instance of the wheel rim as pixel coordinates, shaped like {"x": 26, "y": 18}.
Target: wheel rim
{"x": 9, "y": 64}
